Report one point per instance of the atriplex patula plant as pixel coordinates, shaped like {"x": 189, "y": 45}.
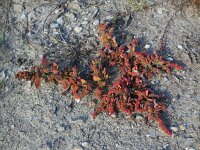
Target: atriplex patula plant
{"x": 128, "y": 93}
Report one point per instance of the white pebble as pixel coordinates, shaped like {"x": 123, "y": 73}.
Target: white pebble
{"x": 147, "y": 46}
{"x": 96, "y": 22}
{"x": 175, "y": 129}
{"x": 78, "y": 29}
{"x": 165, "y": 146}
{"x": 180, "y": 47}
{"x": 84, "y": 144}
{"x": 77, "y": 100}
{"x": 57, "y": 11}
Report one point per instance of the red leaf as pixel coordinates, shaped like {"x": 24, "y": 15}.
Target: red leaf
{"x": 37, "y": 82}
{"x": 65, "y": 85}
{"x": 95, "y": 78}
{"x": 83, "y": 81}
{"x": 55, "y": 71}
{"x": 55, "y": 65}
{"x": 102, "y": 26}
{"x": 104, "y": 72}
{"x": 44, "y": 61}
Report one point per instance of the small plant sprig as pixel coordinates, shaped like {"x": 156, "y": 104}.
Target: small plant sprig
{"x": 69, "y": 79}
{"x": 118, "y": 77}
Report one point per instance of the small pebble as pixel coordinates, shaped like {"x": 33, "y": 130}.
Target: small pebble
{"x": 78, "y": 29}
{"x": 139, "y": 117}
{"x": 175, "y": 129}
{"x": 109, "y": 17}
{"x": 113, "y": 116}
{"x": 148, "y": 135}
{"x": 57, "y": 11}
{"x": 165, "y": 79}
{"x": 54, "y": 25}
{"x": 96, "y": 22}
{"x": 182, "y": 127}
{"x": 190, "y": 148}
{"x": 165, "y": 146}
{"x": 80, "y": 122}
{"x": 84, "y": 22}
{"x": 77, "y": 100}
{"x": 127, "y": 116}
{"x": 169, "y": 59}
{"x": 55, "y": 32}
{"x": 2, "y": 75}
{"x": 84, "y": 144}
{"x": 180, "y": 47}
{"x": 45, "y": 30}
{"x": 78, "y": 147}
{"x": 95, "y": 13}
{"x": 159, "y": 10}
{"x": 60, "y": 20}
{"x": 60, "y": 128}
{"x": 23, "y": 16}
{"x": 74, "y": 5}
{"x": 91, "y": 103}
{"x": 147, "y": 46}
{"x": 70, "y": 16}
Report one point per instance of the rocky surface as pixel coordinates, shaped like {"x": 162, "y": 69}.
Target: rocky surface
{"x": 66, "y": 31}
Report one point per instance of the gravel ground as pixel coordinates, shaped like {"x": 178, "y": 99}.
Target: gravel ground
{"x": 67, "y": 32}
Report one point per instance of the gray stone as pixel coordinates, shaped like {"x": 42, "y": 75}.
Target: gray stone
{"x": 2, "y": 75}
{"x": 84, "y": 22}
{"x": 70, "y": 16}
{"x": 74, "y": 5}
{"x": 95, "y": 13}
{"x": 60, "y": 128}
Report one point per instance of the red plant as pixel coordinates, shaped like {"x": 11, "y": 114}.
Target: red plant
{"x": 119, "y": 78}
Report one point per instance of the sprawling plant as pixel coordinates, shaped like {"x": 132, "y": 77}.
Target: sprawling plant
{"x": 119, "y": 77}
